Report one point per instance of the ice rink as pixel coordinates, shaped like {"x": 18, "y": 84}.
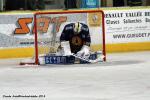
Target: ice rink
{"x": 125, "y": 76}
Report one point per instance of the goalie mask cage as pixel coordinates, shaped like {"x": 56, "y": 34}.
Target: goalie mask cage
{"x": 49, "y": 25}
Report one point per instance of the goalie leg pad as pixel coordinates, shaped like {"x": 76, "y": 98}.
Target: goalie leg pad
{"x": 53, "y": 59}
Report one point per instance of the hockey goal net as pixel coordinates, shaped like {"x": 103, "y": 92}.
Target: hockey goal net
{"x": 49, "y": 25}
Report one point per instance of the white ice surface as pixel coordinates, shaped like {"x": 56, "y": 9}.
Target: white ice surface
{"x": 125, "y": 76}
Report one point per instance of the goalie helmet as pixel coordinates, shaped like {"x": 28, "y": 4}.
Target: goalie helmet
{"x": 77, "y": 28}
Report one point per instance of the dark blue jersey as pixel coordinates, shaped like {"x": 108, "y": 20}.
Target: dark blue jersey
{"x": 76, "y": 40}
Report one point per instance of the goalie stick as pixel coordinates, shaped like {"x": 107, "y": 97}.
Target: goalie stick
{"x": 99, "y": 59}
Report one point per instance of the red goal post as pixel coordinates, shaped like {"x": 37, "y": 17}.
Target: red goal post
{"x": 94, "y": 18}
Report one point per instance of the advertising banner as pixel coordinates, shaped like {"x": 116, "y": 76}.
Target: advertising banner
{"x": 125, "y": 26}
{"x": 17, "y": 30}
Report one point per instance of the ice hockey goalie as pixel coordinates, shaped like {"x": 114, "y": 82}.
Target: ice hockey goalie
{"x": 75, "y": 43}
{"x": 78, "y": 37}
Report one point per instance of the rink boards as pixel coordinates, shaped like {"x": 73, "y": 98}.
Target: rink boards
{"x": 125, "y": 31}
